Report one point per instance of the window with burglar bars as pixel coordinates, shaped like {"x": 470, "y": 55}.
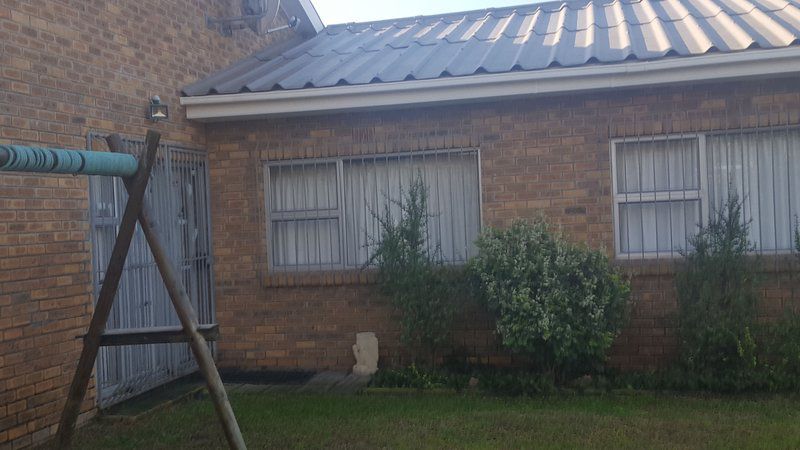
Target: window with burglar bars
{"x": 322, "y": 212}
{"x": 666, "y": 187}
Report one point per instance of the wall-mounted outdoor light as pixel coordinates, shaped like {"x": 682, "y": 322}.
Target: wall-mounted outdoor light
{"x": 157, "y": 110}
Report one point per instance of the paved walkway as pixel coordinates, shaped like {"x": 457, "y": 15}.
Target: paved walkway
{"x": 323, "y": 382}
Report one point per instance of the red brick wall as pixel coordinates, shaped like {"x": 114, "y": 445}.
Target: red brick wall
{"x": 68, "y": 67}
{"x": 545, "y": 156}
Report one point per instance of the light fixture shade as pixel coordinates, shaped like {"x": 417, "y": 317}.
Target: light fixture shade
{"x": 157, "y": 111}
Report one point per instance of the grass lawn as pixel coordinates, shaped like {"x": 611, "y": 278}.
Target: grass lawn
{"x": 469, "y": 421}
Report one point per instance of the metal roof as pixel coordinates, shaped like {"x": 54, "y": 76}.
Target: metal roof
{"x": 522, "y": 38}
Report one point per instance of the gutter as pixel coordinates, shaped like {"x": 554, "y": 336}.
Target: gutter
{"x": 310, "y": 101}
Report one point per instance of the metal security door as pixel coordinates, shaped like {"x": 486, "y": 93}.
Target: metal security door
{"x": 178, "y": 196}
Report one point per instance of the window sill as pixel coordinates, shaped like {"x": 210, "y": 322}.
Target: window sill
{"x": 320, "y": 278}
{"x": 766, "y": 263}
{"x": 769, "y": 263}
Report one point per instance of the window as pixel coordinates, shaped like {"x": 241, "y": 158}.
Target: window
{"x": 321, "y": 213}
{"x": 666, "y": 187}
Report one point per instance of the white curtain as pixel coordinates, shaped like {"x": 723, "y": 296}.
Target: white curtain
{"x": 658, "y": 165}
{"x": 762, "y": 168}
{"x": 318, "y": 219}
{"x": 650, "y": 227}
{"x": 303, "y": 187}
{"x": 305, "y": 242}
{"x": 304, "y": 212}
{"x": 453, "y": 201}
{"x": 648, "y": 168}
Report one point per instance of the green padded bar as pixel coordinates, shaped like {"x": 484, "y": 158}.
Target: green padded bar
{"x": 19, "y": 158}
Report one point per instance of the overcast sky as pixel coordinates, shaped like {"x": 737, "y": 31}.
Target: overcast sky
{"x": 339, "y": 11}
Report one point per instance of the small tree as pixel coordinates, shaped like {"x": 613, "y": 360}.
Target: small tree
{"x": 556, "y": 302}
{"x": 411, "y": 271}
{"x": 717, "y": 294}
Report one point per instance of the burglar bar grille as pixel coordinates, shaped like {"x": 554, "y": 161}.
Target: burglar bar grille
{"x": 178, "y": 196}
{"x": 668, "y": 182}
{"x": 322, "y": 212}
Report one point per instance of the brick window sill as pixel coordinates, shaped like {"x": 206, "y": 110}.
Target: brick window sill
{"x": 783, "y": 263}
{"x": 320, "y": 278}
{"x": 768, "y": 263}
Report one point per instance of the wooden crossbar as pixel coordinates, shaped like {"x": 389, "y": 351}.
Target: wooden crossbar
{"x": 185, "y": 312}
{"x": 190, "y": 331}
{"x": 155, "y": 335}
{"x": 105, "y": 299}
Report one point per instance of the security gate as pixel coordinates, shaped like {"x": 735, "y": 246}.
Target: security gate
{"x": 178, "y": 195}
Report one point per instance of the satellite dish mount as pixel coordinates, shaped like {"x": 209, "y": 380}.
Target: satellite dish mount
{"x": 257, "y": 15}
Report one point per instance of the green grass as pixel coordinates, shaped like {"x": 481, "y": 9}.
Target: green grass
{"x": 469, "y": 421}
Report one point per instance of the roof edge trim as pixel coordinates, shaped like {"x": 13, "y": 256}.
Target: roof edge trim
{"x": 718, "y": 66}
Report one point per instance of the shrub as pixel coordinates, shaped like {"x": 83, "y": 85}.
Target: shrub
{"x": 677, "y": 378}
{"x": 491, "y": 380}
{"x": 797, "y": 236}
{"x": 717, "y": 293}
{"x": 783, "y": 345}
{"x": 782, "y": 351}
{"x": 559, "y": 303}
{"x": 783, "y": 340}
{"x": 411, "y": 272}
{"x": 515, "y": 383}
{"x": 418, "y": 378}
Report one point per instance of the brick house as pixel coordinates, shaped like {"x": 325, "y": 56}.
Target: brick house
{"x": 623, "y": 122}
{"x": 626, "y": 123}
{"x": 69, "y": 69}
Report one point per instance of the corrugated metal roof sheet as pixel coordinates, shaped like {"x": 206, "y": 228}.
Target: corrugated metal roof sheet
{"x": 530, "y": 37}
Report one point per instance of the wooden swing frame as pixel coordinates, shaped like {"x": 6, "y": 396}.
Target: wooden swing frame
{"x": 190, "y": 330}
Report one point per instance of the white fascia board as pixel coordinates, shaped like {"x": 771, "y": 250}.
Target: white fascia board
{"x": 722, "y": 66}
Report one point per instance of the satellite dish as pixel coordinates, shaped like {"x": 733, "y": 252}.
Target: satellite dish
{"x": 260, "y": 12}
{"x": 257, "y": 15}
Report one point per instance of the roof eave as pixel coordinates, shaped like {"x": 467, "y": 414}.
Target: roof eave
{"x": 310, "y": 101}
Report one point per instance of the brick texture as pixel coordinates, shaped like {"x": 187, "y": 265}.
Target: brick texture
{"x": 68, "y": 67}
{"x": 545, "y": 156}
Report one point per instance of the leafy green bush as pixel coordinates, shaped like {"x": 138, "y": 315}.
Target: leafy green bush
{"x": 417, "y": 378}
{"x": 559, "y": 303}
{"x": 784, "y": 337}
{"x": 679, "y": 379}
{"x": 767, "y": 377}
{"x": 723, "y": 348}
{"x": 412, "y": 274}
{"x": 717, "y": 292}
{"x": 515, "y": 383}
{"x": 491, "y": 380}
{"x": 797, "y": 236}
{"x": 782, "y": 351}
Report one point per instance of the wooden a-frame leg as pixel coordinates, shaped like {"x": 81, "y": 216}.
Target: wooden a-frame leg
{"x": 187, "y": 316}
{"x": 105, "y": 299}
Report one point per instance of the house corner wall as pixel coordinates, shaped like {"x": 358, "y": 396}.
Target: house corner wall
{"x": 547, "y": 155}
{"x": 68, "y": 68}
